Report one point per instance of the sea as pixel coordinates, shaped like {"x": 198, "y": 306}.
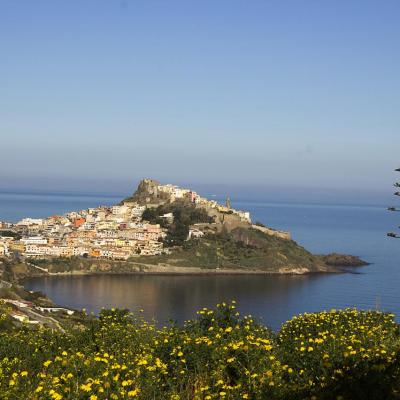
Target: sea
{"x": 321, "y": 228}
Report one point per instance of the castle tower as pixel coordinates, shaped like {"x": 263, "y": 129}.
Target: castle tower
{"x": 228, "y": 202}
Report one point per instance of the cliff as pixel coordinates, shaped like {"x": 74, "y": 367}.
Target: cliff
{"x": 147, "y": 194}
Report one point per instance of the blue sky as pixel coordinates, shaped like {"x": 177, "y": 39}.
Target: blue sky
{"x": 269, "y": 93}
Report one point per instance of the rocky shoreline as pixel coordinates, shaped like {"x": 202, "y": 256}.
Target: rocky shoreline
{"x": 171, "y": 270}
{"x": 343, "y": 260}
{"x": 20, "y": 271}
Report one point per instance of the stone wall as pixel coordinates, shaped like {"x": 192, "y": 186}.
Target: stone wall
{"x": 273, "y": 232}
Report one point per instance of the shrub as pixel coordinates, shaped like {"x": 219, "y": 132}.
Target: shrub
{"x": 219, "y": 355}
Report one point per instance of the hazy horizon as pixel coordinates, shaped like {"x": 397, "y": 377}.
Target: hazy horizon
{"x": 266, "y": 193}
{"x": 277, "y": 94}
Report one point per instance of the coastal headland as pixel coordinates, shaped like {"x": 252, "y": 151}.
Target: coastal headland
{"x": 160, "y": 229}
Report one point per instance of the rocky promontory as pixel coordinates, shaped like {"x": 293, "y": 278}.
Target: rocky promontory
{"x": 159, "y": 229}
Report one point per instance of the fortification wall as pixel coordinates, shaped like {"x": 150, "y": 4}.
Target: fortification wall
{"x": 273, "y": 232}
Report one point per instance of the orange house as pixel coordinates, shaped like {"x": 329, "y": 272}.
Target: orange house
{"x": 78, "y": 222}
{"x": 94, "y": 253}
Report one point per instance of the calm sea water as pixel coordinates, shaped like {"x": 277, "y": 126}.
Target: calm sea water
{"x": 320, "y": 228}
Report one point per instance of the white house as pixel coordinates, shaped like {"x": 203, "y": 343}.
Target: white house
{"x": 34, "y": 240}
{"x": 119, "y": 210}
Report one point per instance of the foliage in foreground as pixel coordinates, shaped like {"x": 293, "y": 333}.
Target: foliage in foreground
{"x": 343, "y": 355}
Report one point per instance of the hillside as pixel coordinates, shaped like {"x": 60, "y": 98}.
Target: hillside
{"x": 242, "y": 249}
{"x": 229, "y": 242}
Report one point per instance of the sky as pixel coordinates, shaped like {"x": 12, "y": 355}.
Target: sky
{"x": 283, "y": 94}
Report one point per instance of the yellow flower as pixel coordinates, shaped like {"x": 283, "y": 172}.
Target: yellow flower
{"x": 39, "y": 389}
{"x": 55, "y": 395}
{"x": 87, "y": 387}
{"x": 133, "y": 393}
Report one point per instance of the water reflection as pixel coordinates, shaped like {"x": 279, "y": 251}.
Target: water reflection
{"x": 353, "y": 230}
{"x": 163, "y": 297}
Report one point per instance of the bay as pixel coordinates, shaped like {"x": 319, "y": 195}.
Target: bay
{"x": 321, "y": 228}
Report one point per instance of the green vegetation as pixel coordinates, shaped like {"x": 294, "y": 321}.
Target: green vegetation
{"x": 342, "y": 260}
{"x": 63, "y": 264}
{"x": 242, "y": 248}
{"x": 17, "y": 292}
{"x": 347, "y": 355}
{"x": 12, "y": 270}
{"x": 85, "y": 265}
{"x": 184, "y": 215}
{"x": 8, "y": 233}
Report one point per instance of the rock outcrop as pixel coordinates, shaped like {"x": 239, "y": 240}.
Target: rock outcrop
{"x": 343, "y": 260}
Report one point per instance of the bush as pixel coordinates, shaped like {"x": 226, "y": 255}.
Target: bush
{"x": 219, "y": 355}
{"x": 346, "y": 354}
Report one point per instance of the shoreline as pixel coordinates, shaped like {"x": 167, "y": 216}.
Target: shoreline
{"x": 189, "y": 271}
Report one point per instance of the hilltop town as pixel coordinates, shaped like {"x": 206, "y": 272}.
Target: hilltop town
{"x": 159, "y": 229}
{"x": 113, "y": 232}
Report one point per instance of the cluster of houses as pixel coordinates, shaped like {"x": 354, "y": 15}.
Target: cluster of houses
{"x": 111, "y": 232}
{"x": 175, "y": 192}
{"x": 115, "y": 232}
{"x": 5, "y": 240}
